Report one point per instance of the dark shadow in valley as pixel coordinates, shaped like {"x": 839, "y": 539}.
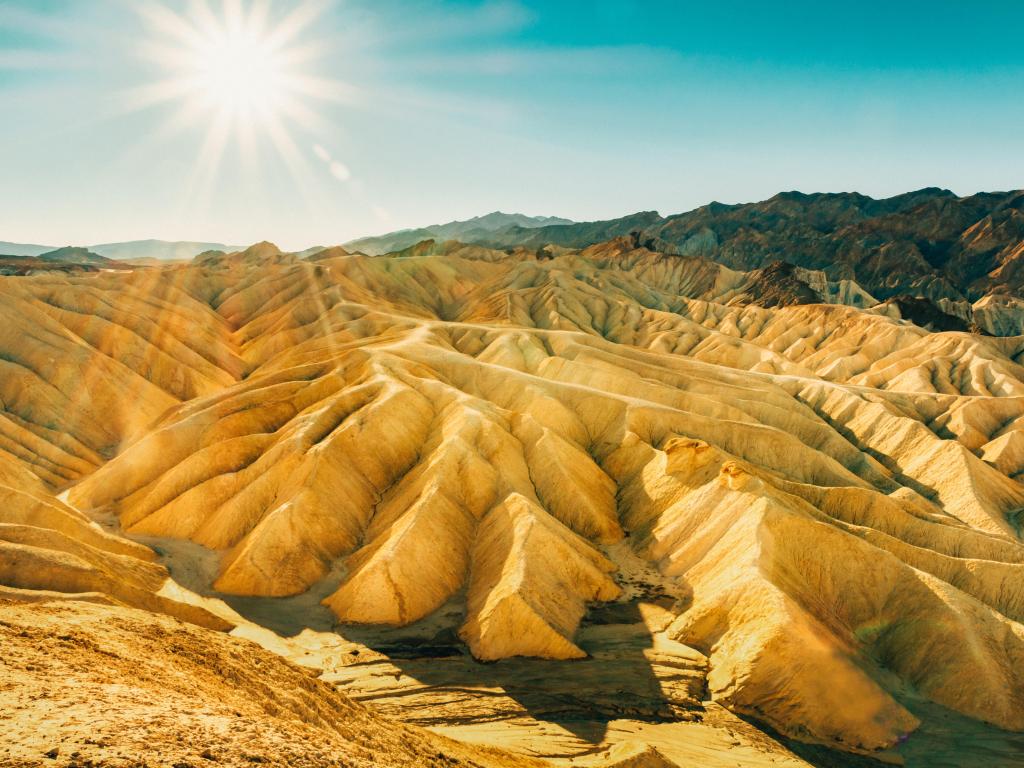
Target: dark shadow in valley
{"x": 617, "y": 680}
{"x": 817, "y": 755}
{"x": 582, "y": 696}
{"x": 945, "y": 739}
{"x": 195, "y": 567}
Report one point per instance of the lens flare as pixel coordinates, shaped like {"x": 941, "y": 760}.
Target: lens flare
{"x": 243, "y": 74}
{"x": 241, "y": 71}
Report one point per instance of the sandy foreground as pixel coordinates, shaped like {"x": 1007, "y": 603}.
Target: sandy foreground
{"x": 83, "y": 684}
{"x": 91, "y": 685}
{"x": 94, "y": 685}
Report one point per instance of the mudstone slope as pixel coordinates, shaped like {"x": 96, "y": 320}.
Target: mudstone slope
{"x": 830, "y": 491}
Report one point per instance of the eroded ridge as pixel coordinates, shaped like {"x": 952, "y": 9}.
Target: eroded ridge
{"x": 831, "y": 489}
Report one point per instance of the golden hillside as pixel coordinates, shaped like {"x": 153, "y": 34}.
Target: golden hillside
{"x": 828, "y": 494}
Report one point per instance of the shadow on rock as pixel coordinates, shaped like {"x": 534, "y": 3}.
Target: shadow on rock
{"x": 631, "y": 672}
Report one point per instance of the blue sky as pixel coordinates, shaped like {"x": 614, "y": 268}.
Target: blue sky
{"x": 429, "y": 111}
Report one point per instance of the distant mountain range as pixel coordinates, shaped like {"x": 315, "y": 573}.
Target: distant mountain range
{"x": 23, "y": 249}
{"x": 69, "y": 259}
{"x": 163, "y": 250}
{"x": 928, "y": 243}
{"x": 160, "y": 250}
{"x": 477, "y": 229}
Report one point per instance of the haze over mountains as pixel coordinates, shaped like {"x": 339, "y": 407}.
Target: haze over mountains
{"x": 930, "y": 243}
{"x": 759, "y": 461}
{"x": 163, "y": 250}
{"x": 477, "y": 229}
{"x": 183, "y": 250}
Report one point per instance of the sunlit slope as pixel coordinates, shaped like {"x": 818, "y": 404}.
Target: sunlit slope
{"x": 49, "y": 550}
{"x": 87, "y": 364}
{"x": 832, "y": 487}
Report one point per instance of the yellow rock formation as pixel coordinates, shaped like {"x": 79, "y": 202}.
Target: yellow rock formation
{"x": 833, "y": 490}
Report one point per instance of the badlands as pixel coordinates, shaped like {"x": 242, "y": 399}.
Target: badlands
{"x": 489, "y": 506}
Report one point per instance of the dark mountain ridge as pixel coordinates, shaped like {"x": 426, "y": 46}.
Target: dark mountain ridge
{"x": 928, "y": 243}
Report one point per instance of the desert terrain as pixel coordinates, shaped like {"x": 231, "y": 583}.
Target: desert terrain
{"x": 591, "y": 498}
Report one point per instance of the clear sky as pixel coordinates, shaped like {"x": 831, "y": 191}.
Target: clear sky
{"x": 128, "y": 119}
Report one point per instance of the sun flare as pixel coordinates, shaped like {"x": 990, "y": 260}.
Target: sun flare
{"x": 242, "y": 74}
{"x": 236, "y": 60}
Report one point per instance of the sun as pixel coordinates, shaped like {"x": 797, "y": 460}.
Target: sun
{"x": 236, "y": 59}
{"x": 241, "y": 72}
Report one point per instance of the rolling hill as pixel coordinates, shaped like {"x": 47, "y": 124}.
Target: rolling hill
{"x": 820, "y": 500}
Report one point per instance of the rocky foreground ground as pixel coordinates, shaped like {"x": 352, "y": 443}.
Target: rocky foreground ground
{"x": 91, "y": 685}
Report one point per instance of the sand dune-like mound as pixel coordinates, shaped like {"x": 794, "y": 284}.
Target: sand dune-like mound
{"x": 830, "y": 491}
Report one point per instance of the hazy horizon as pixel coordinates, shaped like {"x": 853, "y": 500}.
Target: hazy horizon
{"x": 136, "y": 121}
{"x": 400, "y": 227}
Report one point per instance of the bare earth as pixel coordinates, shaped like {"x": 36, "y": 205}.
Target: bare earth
{"x": 91, "y": 685}
{"x": 592, "y": 507}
